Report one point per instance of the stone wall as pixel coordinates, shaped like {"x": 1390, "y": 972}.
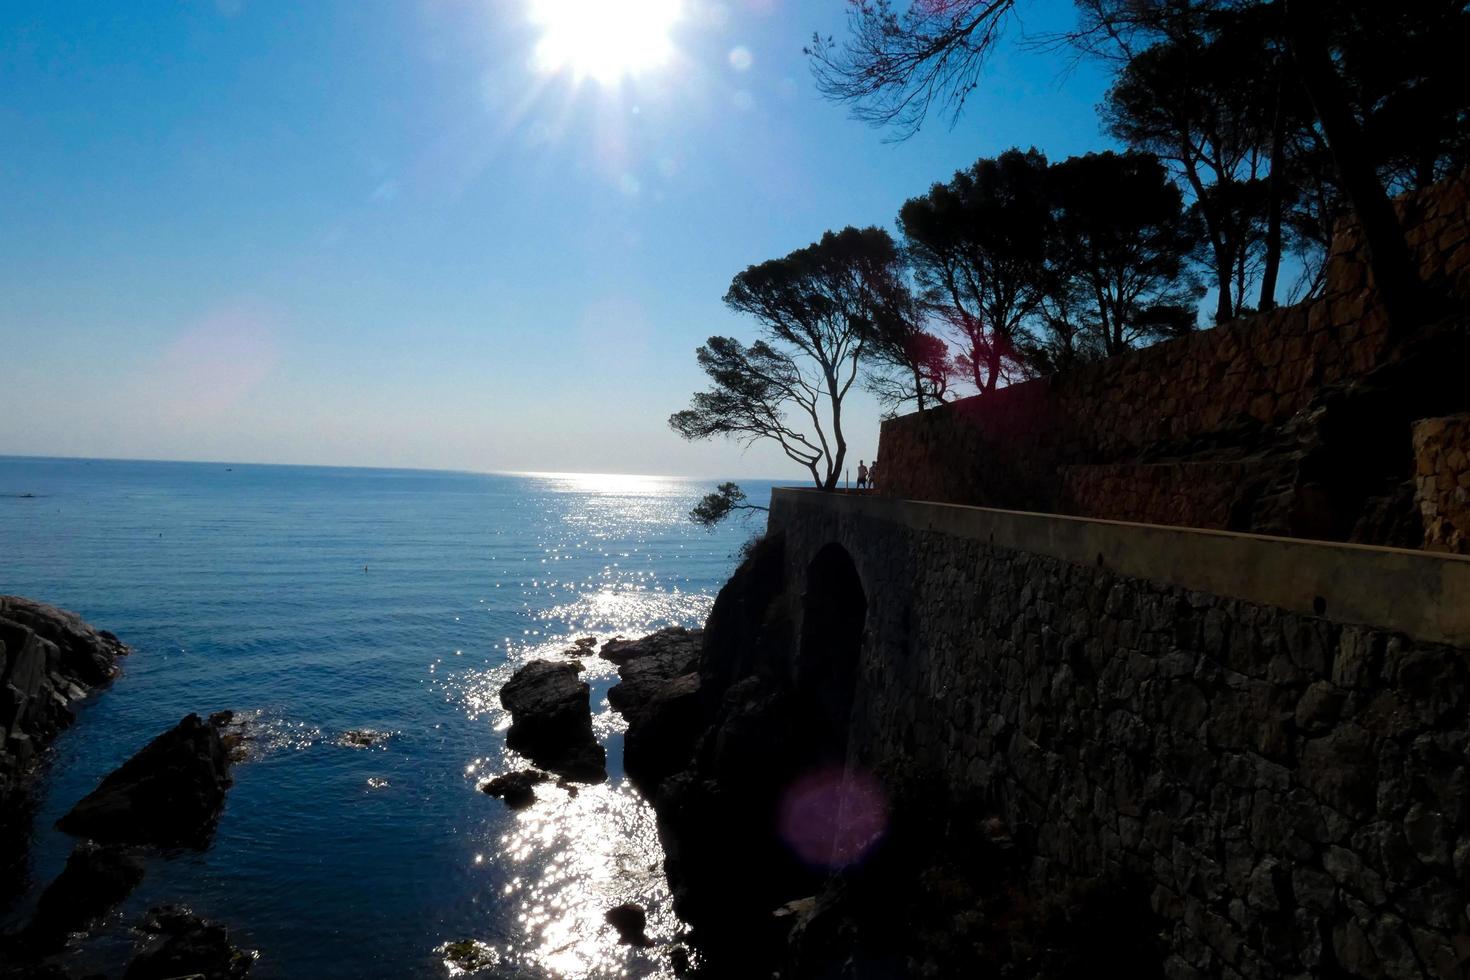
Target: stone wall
{"x": 1188, "y": 494}
{"x": 1293, "y": 792}
{"x": 1442, "y": 481}
{"x": 1178, "y": 399}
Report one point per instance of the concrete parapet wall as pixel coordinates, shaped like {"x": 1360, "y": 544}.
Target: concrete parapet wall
{"x": 1271, "y": 735}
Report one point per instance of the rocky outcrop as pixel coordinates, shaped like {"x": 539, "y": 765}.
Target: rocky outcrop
{"x": 517, "y": 789}
{"x": 185, "y": 945}
{"x": 551, "y": 720}
{"x": 49, "y": 660}
{"x": 659, "y": 695}
{"x": 630, "y": 921}
{"x": 169, "y": 794}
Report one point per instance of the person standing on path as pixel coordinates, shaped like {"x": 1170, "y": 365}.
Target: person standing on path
{"x": 862, "y": 475}
{"x": 873, "y": 475}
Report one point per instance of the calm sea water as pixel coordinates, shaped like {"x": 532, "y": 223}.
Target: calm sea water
{"x": 322, "y": 601}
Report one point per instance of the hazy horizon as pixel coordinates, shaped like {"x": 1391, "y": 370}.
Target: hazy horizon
{"x": 435, "y": 235}
{"x": 752, "y": 478}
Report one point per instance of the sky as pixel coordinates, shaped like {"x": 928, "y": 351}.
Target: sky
{"x": 451, "y": 234}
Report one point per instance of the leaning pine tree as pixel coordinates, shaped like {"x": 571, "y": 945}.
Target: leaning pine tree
{"x": 815, "y": 308}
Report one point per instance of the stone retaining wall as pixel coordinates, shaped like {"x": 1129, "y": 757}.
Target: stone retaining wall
{"x": 1008, "y": 449}
{"x": 1442, "y": 481}
{"x": 1293, "y": 792}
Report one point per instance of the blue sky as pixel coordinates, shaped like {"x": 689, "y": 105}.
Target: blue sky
{"x": 377, "y": 232}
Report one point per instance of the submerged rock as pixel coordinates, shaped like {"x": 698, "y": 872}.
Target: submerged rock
{"x": 96, "y": 878}
{"x": 187, "y": 946}
{"x": 517, "y": 789}
{"x": 169, "y": 794}
{"x": 551, "y": 720}
{"x": 468, "y": 956}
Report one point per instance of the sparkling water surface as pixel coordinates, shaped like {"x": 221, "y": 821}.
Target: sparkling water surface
{"x": 324, "y": 601}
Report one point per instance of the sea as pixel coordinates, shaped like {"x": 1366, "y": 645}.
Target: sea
{"x": 361, "y": 622}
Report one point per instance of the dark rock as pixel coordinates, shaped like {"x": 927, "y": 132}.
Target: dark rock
{"x": 630, "y": 921}
{"x": 187, "y": 946}
{"x": 659, "y": 695}
{"x": 85, "y": 654}
{"x": 469, "y": 955}
{"x": 551, "y": 720}
{"x": 95, "y": 879}
{"x": 169, "y": 794}
{"x": 356, "y": 738}
{"x": 49, "y": 661}
{"x": 517, "y": 789}
{"x": 167, "y": 919}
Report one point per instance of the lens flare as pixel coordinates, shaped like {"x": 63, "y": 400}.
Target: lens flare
{"x": 832, "y": 818}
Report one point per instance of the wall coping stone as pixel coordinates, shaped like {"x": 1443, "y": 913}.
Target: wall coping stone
{"x": 1425, "y": 595}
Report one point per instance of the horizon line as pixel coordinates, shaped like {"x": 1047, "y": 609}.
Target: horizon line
{"x": 403, "y": 469}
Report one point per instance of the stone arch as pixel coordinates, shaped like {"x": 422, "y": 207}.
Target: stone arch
{"x": 834, "y": 617}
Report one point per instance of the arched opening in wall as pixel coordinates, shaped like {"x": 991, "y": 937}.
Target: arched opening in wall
{"x": 834, "y": 613}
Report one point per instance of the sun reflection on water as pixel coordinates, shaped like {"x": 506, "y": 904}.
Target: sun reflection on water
{"x": 578, "y": 856}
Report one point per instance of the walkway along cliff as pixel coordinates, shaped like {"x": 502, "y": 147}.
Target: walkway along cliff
{"x": 1162, "y": 666}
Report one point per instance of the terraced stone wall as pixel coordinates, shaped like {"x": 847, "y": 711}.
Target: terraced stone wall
{"x": 1442, "y": 482}
{"x": 1014, "y": 448}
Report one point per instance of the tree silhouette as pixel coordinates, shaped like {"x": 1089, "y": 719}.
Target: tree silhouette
{"x": 724, "y": 501}
{"x": 906, "y": 363}
{"x": 1123, "y": 239}
{"x": 893, "y": 67}
{"x": 1204, "y": 99}
{"x": 815, "y": 308}
{"x": 978, "y": 248}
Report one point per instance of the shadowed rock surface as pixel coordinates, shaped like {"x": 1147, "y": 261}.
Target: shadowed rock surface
{"x": 551, "y": 720}
{"x": 659, "y": 695}
{"x": 96, "y": 878}
{"x": 169, "y": 794}
{"x": 187, "y": 946}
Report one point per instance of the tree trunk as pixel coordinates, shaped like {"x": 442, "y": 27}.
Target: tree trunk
{"x": 841, "y": 454}
{"x": 1399, "y": 288}
{"x": 1274, "y": 196}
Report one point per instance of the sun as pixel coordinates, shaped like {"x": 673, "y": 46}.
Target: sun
{"x": 604, "y": 40}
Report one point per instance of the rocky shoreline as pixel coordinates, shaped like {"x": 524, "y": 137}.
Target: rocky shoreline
{"x": 166, "y": 797}
{"x": 51, "y": 661}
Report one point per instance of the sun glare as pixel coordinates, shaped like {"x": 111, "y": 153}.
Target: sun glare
{"x": 605, "y": 40}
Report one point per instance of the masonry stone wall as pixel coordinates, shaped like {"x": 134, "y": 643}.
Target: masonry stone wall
{"x": 1009, "y": 449}
{"x": 1292, "y": 793}
{"x": 1442, "y": 481}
